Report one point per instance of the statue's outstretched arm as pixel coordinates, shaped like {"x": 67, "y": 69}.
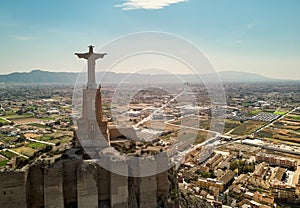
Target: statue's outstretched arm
{"x": 99, "y": 55}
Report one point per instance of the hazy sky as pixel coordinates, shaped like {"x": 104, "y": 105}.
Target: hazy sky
{"x": 243, "y": 35}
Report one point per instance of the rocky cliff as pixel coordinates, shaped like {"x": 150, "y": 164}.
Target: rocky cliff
{"x": 83, "y": 183}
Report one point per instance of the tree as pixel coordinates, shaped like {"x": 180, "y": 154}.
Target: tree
{"x": 234, "y": 165}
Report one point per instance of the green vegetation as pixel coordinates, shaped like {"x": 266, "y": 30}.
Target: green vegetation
{"x": 3, "y": 163}
{"x": 268, "y": 110}
{"x": 8, "y": 154}
{"x": 3, "y": 121}
{"x": 38, "y": 125}
{"x": 7, "y": 113}
{"x": 264, "y": 134}
{"x": 239, "y": 197}
{"x": 48, "y": 119}
{"x": 246, "y": 104}
{"x": 25, "y": 150}
{"x": 247, "y": 127}
{"x": 204, "y": 124}
{"x": 16, "y": 116}
{"x": 255, "y": 112}
{"x": 7, "y": 139}
{"x": 280, "y": 112}
{"x": 242, "y": 166}
{"x": 201, "y": 137}
{"x": 32, "y": 108}
{"x": 37, "y": 145}
{"x": 204, "y": 174}
{"x": 293, "y": 117}
{"x": 230, "y": 124}
{"x": 45, "y": 138}
{"x": 254, "y": 189}
{"x": 193, "y": 122}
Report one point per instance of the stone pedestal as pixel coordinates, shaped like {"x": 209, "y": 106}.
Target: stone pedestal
{"x": 92, "y": 131}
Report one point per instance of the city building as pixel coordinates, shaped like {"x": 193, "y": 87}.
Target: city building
{"x": 276, "y": 160}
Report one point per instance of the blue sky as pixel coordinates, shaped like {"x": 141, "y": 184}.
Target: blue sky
{"x": 242, "y": 35}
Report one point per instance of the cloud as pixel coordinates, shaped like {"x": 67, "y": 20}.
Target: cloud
{"x": 251, "y": 25}
{"x": 147, "y": 4}
{"x": 19, "y": 37}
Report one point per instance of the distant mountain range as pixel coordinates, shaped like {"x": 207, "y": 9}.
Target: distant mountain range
{"x": 45, "y": 77}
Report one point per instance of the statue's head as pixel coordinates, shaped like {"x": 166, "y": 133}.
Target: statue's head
{"x": 91, "y": 48}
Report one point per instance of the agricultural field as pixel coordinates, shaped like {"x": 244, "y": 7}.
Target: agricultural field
{"x": 276, "y": 112}
{"x": 62, "y": 140}
{"x": 292, "y": 118}
{"x": 286, "y": 129}
{"x": 160, "y": 125}
{"x": 3, "y": 162}
{"x": 288, "y": 125}
{"x": 7, "y": 139}
{"x": 26, "y": 150}
{"x": 296, "y": 112}
{"x": 28, "y": 112}
{"x": 56, "y": 138}
{"x": 28, "y": 120}
{"x": 248, "y": 127}
{"x": 194, "y": 122}
{"x": 254, "y": 112}
{"x": 201, "y": 136}
{"x": 280, "y": 112}
{"x": 279, "y": 134}
{"x": 7, "y": 154}
{"x": 36, "y": 145}
{"x": 38, "y": 125}
{"x": 4, "y": 121}
{"x": 16, "y": 116}
{"x": 230, "y": 124}
{"x": 207, "y": 124}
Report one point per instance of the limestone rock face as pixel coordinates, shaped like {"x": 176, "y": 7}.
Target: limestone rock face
{"x": 83, "y": 183}
{"x": 12, "y": 189}
{"x": 103, "y": 183}
{"x": 69, "y": 173}
{"x": 53, "y": 187}
{"x": 119, "y": 191}
{"x": 87, "y": 189}
{"x": 148, "y": 192}
{"x": 187, "y": 200}
{"x": 35, "y": 186}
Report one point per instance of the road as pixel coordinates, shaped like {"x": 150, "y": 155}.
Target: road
{"x": 42, "y": 142}
{"x": 264, "y": 146}
{"x": 188, "y": 127}
{"x": 5, "y": 119}
{"x": 229, "y": 132}
{"x": 177, "y": 155}
{"x": 19, "y": 154}
{"x": 150, "y": 117}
